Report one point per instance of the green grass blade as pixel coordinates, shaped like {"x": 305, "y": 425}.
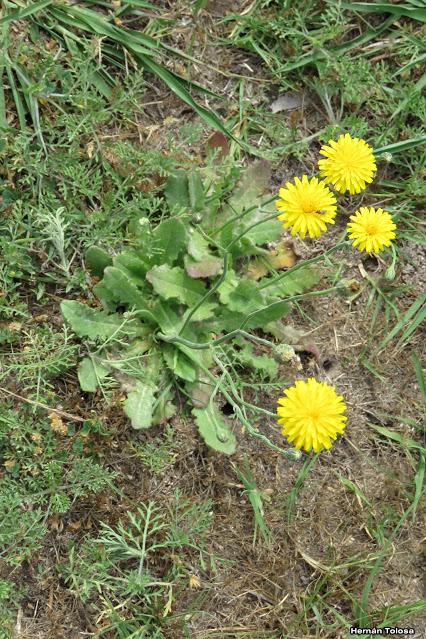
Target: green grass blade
{"x": 32, "y": 102}
{"x": 256, "y": 501}
{"x": 3, "y": 117}
{"x": 95, "y": 23}
{"x": 405, "y": 442}
{"x": 178, "y": 87}
{"x": 142, "y": 48}
{"x": 417, "y": 321}
{"x": 384, "y": 7}
{"x": 309, "y": 58}
{"x": 292, "y": 496}
{"x": 25, "y": 13}
{"x": 360, "y": 610}
{"x": 393, "y": 615}
{"x": 19, "y": 104}
{"x": 403, "y": 322}
{"x": 419, "y": 375}
{"x": 401, "y": 146}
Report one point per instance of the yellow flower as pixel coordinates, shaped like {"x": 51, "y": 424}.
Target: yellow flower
{"x": 371, "y": 229}
{"x": 311, "y": 415}
{"x": 307, "y": 206}
{"x": 349, "y": 164}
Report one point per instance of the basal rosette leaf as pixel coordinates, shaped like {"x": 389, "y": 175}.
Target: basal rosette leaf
{"x": 214, "y": 430}
{"x": 174, "y": 283}
{"x": 90, "y": 374}
{"x": 90, "y": 322}
{"x": 97, "y": 260}
{"x": 139, "y": 405}
{"x": 169, "y": 239}
{"x": 292, "y": 283}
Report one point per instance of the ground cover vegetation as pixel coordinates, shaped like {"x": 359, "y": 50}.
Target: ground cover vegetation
{"x": 212, "y": 392}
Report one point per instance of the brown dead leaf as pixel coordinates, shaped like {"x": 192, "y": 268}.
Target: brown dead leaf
{"x": 15, "y": 326}
{"x": 194, "y": 581}
{"x": 279, "y": 258}
{"x": 219, "y": 141}
{"x": 57, "y": 425}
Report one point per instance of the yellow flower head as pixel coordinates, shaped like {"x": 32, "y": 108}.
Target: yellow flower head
{"x": 371, "y": 229}
{"x": 349, "y": 164}
{"x": 311, "y": 415}
{"x": 307, "y": 206}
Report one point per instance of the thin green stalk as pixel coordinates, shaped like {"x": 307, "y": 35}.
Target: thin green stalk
{"x": 209, "y": 293}
{"x": 340, "y": 244}
{"x": 240, "y": 216}
{"x": 239, "y": 332}
{"x": 224, "y": 271}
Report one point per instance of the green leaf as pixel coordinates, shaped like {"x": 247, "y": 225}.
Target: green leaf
{"x": 179, "y": 363}
{"x": 266, "y": 365}
{"x": 90, "y": 322}
{"x": 104, "y": 295}
{"x": 289, "y": 284}
{"x": 245, "y": 298}
{"x": 166, "y": 318}
{"x": 90, "y": 374}
{"x": 245, "y": 210}
{"x": 266, "y": 232}
{"x": 260, "y": 318}
{"x": 230, "y": 320}
{"x": 131, "y": 264}
{"x": 208, "y": 267}
{"x": 165, "y": 409}
{"x": 198, "y": 246}
{"x": 228, "y": 285}
{"x": 125, "y": 291}
{"x": 195, "y": 191}
{"x": 176, "y": 190}
{"x": 169, "y": 240}
{"x": 185, "y": 191}
{"x": 97, "y": 260}
{"x": 206, "y": 311}
{"x": 139, "y": 405}
{"x": 174, "y": 283}
{"x": 214, "y": 430}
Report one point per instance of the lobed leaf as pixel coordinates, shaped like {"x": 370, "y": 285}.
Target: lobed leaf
{"x": 214, "y": 430}
{"x": 174, "y": 283}
{"x": 90, "y": 322}
{"x": 139, "y": 405}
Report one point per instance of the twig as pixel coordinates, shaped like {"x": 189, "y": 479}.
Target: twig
{"x": 40, "y": 405}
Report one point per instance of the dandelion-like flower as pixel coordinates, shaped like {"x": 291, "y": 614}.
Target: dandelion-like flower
{"x": 307, "y": 206}
{"x": 349, "y": 164}
{"x": 311, "y": 415}
{"x": 371, "y": 229}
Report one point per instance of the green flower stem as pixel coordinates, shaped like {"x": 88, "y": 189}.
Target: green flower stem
{"x": 254, "y": 432}
{"x": 243, "y": 214}
{"x": 208, "y": 294}
{"x": 224, "y": 271}
{"x": 239, "y": 332}
{"x": 252, "y": 226}
{"x": 175, "y": 339}
{"x": 340, "y": 244}
{"x": 294, "y": 298}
